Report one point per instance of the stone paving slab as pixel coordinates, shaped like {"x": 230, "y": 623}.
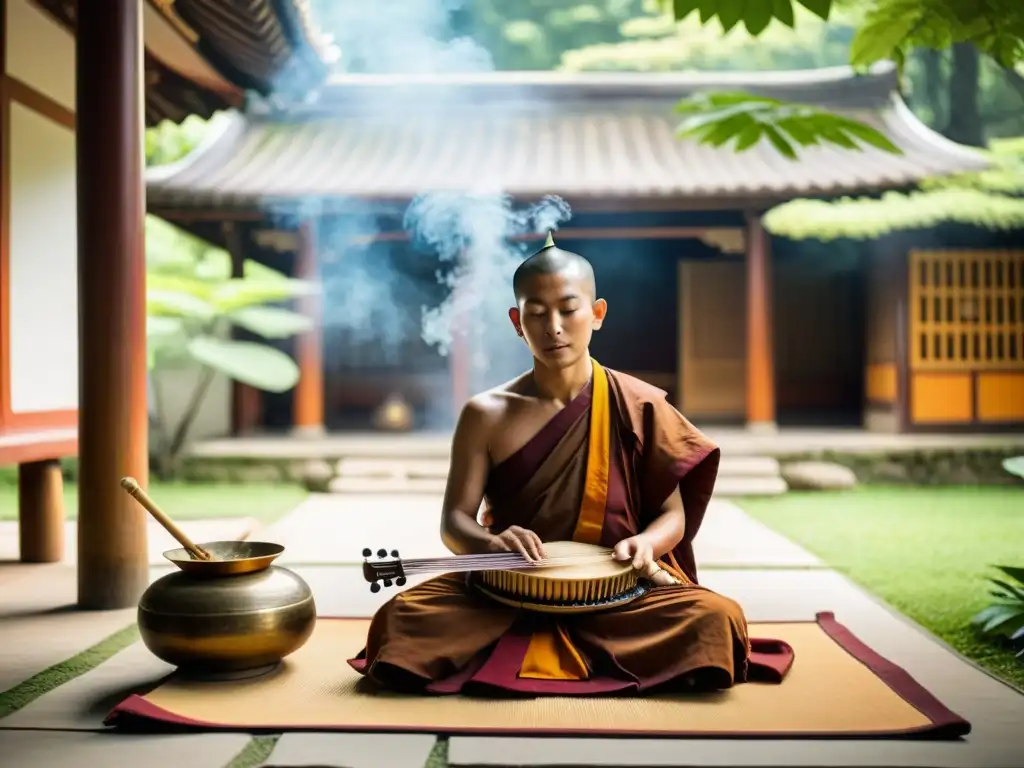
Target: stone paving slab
{"x": 995, "y": 710}
{"x": 40, "y": 625}
{"x": 158, "y": 539}
{"x": 334, "y": 528}
{"x": 82, "y": 704}
{"x": 351, "y": 750}
{"x": 75, "y": 749}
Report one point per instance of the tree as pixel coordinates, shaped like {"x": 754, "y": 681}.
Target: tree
{"x": 192, "y": 302}
{"x": 891, "y": 30}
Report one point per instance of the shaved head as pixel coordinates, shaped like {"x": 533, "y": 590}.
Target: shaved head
{"x": 552, "y": 260}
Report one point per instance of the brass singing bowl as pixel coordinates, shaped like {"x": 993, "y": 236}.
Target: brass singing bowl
{"x": 227, "y": 558}
{"x": 236, "y": 625}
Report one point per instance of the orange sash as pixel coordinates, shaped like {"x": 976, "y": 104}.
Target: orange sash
{"x": 551, "y": 654}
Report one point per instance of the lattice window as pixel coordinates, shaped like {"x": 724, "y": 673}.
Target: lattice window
{"x": 966, "y": 310}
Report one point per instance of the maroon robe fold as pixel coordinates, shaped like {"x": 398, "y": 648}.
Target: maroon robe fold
{"x": 444, "y": 637}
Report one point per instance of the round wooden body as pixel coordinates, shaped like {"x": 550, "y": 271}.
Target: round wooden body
{"x": 596, "y": 582}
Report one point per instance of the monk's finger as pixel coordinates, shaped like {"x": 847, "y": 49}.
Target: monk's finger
{"x": 539, "y": 545}
{"x": 532, "y": 543}
{"x": 621, "y": 551}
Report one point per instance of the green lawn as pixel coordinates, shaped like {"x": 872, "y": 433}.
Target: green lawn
{"x": 191, "y": 501}
{"x": 925, "y": 551}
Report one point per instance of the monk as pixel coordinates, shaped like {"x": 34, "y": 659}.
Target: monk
{"x": 567, "y": 451}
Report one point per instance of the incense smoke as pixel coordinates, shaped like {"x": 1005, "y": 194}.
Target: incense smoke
{"x": 375, "y": 308}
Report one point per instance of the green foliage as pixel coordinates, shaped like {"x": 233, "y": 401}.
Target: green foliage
{"x": 755, "y": 16}
{"x": 192, "y": 303}
{"x": 717, "y": 118}
{"x": 169, "y": 142}
{"x": 892, "y": 28}
{"x": 869, "y": 218}
{"x": 1004, "y": 617}
{"x": 659, "y": 43}
{"x": 988, "y": 199}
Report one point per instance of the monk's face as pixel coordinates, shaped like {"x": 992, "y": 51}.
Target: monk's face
{"x": 557, "y": 317}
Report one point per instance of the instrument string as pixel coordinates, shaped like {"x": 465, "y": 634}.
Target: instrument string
{"x": 498, "y": 561}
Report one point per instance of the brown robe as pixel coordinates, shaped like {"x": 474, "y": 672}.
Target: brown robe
{"x": 444, "y": 636}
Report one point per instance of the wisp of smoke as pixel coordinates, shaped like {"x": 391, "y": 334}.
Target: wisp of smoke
{"x": 474, "y": 232}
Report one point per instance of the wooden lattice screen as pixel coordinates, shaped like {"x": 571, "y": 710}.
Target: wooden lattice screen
{"x": 966, "y": 310}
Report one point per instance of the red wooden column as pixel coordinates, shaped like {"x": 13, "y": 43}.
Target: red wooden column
{"x": 113, "y": 568}
{"x": 760, "y": 353}
{"x": 308, "y": 405}
{"x": 41, "y": 511}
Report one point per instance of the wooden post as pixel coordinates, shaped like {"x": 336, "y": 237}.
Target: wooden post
{"x": 309, "y": 392}
{"x": 41, "y": 511}
{"x": 760, "y": 354}
{"x": 113, "y": 568}
{"x": 245, "y": 400}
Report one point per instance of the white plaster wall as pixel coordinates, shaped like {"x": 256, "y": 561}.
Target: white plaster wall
{"x": 43, "y": 266}
{"x": 176, "y": 387}
{"x": 40, "y": 52}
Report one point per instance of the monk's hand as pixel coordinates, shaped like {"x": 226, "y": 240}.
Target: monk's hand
{"x": 516, "y": 539}
{"x": 637, "y": 549}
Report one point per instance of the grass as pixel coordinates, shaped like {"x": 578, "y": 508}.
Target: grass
{"x": 925, "y": 551}
{"x": 265, "y": 502}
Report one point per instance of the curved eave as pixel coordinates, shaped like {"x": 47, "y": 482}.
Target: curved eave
{"x": 615, "y": 151}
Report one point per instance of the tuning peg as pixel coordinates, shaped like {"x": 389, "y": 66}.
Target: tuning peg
{"x": 387, "y": 582}
{"x": 375, "y": 587}
{"x": 382, "y": 553}
{"x": 367, "y": 552}
{"x": 400, "y": 581}
{"x": 394, "y": 553}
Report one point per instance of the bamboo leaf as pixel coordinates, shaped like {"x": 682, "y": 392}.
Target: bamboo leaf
{"x": 749, "y": 136}
{"x": 1014, "y": 572}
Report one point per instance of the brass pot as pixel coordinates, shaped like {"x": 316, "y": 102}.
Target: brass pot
{"x": 215, "y": 626}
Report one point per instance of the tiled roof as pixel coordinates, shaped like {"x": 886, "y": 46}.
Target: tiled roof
{"x": 579, "y": 135}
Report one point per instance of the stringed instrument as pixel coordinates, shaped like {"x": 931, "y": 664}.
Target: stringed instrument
{"x": 573, "y": 578}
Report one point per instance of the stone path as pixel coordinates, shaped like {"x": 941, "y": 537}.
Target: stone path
{"x": 770, "y": 576}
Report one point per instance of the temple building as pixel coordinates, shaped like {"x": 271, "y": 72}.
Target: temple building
{"x": 78, "y": 83}
{"x": 739, "y": 327}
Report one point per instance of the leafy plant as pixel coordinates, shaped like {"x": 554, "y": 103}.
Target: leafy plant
{"x": 717, "y": 118}
{"x": 889, "y": 31}
{"x": 192, "y": 304}
{"x": 990, "y": 199}
{"x": 1004, "y": 618}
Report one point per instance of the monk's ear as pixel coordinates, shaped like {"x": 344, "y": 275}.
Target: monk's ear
{"x": 600, "y": 310}
{"x": 513, "y": 315}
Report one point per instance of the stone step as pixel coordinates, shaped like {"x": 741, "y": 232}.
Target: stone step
{"x": 750, "y": 486}
{"x": 748, "y": 466}
{"x": 384, "y": 485}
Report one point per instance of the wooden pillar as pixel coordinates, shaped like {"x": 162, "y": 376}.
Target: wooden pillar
{"x": 760, "y": 353}
{"x": 245, "y": 400}
{"x": 309, "y": 392}
{"x": 41, "y": 511}
{"x": 113, "y": 568}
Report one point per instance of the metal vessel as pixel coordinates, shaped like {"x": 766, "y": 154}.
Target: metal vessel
{"x": 227, "y": 612}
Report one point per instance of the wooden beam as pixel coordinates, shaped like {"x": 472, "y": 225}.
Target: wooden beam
{"x": 760, "y": 353}
{"x": 113, "y": 568}
{"x": 41, "y": 511}
{"x": 309, "y": 392}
